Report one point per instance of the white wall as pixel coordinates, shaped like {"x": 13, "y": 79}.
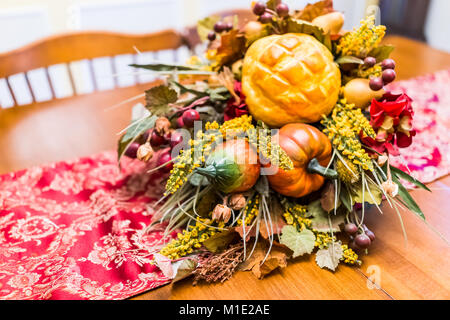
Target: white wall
{"x": 437, "y": 28}
{"x": 28, "y": 23}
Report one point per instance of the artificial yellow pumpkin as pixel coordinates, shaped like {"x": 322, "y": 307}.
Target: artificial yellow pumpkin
{"x": 290, "y": 78}
{"x": 310, "y": 151}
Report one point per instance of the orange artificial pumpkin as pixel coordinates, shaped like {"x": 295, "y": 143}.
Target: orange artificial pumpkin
{"x": 290, "y": 78}
{"x": 310, "y": 151}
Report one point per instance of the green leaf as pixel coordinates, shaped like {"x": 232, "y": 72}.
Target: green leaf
{"x": 330, "y": 257}
{"x": 356, "y": 193}
{"x": 140, "y": 126}
{"x": 184, "y": 89}
{"x": 299, "y": 242}
{"x": 349, "y": 59}
{"x": 159, "y": 98}
{"x": 205, "y": 26}
{"x": 382, "y": 52}
{"x": 137, "y": 128}
{"x": 160, "y": 67}
{"x": 220, "y": 241}
{"x": 407, "y": 199}
{"x": 302, "y": 26}
{"x": 319, "y": 218}
{"x": 344, "y": 195}
{"x": 403, "y": 175}
{"x": 218, "y": 94}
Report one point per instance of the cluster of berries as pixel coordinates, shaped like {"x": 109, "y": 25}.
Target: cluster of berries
{"x": 388, "y": 75}
{"x": 162, "y": 137}
{"x": 266, "y": 15}
{"x": 359, "y": 240}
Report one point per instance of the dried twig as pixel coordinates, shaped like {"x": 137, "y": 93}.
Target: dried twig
{"x": 219, "y": 267}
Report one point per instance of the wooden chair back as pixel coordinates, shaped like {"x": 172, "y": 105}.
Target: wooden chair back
{"x": 71, "y": 47}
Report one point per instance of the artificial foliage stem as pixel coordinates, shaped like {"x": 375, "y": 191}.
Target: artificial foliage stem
{"x": 315, "y": 167}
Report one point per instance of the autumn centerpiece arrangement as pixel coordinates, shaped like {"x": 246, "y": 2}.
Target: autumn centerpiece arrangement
{"x": 275, "y": 143}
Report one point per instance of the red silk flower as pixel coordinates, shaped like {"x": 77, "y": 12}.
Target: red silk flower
{"x": 235, "y": 109}
{"x": 391, "y": 118}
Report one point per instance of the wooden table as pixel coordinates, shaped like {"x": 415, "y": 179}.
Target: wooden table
{"x": 69, "y": 128}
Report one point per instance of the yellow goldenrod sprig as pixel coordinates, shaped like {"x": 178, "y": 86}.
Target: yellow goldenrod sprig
{"x": 349, "y": 256}
{"x": 251, "y": 211}
{"x": 192, "y": 238}
{"x": 261, "y": 138}
{"x": 191, "y": 158}
{"x": 343, "y": 127}
{"x": 295, "y": 215}
{"x": 361, "y": 40}
{"x": 236, "y": 127}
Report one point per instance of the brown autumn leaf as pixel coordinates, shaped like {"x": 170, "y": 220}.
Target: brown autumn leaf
{"x": 327, "y": 200}
{"x": 277, "y": 258}
{"x": 232, "y": 44}
{"x": 276, "y": 215}
{"x": 249, "y": 232}
{"x": 312, "y": 11}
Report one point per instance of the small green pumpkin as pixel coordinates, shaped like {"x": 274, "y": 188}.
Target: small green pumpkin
{"x": 233, "y": 166}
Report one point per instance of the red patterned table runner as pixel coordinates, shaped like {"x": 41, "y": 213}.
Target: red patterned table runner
{"x": 428, "y": 157}
{"x": 74, "y": 230}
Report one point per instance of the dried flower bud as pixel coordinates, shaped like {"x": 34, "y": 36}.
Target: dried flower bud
{"x": 236, "y": 201}
{"x": 162, "y": 125}
{"x": 382, "y": 159}
{"x": 145, "y": 152}
{"x": 390, "y": 187}
{"x": 221, "y": 212}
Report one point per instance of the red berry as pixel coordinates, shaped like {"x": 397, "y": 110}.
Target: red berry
{"x": 351, "y": 228}
{"x": 362, "y": 241}
{"x": 179, "y": 122}
{"x": 388, "y": 76}
{"x": 228, "y": 26}
{"x": 371, "y": 235}
{"x": 219, "y": 27}
{"x": 266, "y": 18}
{"x": 189, "y": 117}
{"x": 259, "y": 8}
{"x": 164, "y": 158}
{"x": 132, "y": 149}
{"x": 156, "y": 140}
{"x": 376, "y": 84}
{"x": 282, "y": 10}
{"x": 388, "y": 64}
{"x": 212, "y": 36}
{"x": 146, "y": 134}
{"x": 370, "y": 62}
{"x": 175, "y": 139}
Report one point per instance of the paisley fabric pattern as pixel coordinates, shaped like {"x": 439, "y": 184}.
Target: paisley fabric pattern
{"x": 75, "y": 230}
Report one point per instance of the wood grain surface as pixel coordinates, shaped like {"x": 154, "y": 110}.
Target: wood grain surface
{"x": 420, "y": 269}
